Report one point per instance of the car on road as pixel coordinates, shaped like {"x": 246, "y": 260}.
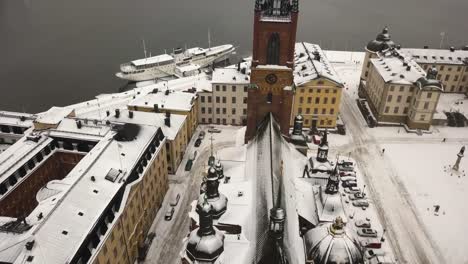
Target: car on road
{"x": 347, "y": 184}
{"x": 348, "y": 173}
{"x": 352, "y": 190}
{"x": 367, "y": 232}
{"x": 345, "y": 168}
{"x": 214, "y": 130}
{"x": 198, "y": 142}
{"x": 345, "y": 163}
{"x": 361, "y": 203}
{"x": 347, "y": 178}
{"x": 175, "y": 199}
{"x": 169, "y": 213}
{"x": 201, "y": 135}
{"x": 357, "y": 196}
{"x": 363, "y": 224}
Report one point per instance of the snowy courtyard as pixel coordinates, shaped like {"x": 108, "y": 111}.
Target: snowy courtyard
{"x": 426, "y": 174}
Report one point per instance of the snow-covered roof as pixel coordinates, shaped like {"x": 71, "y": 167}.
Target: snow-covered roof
{"x": 311, "y": 63}
{"x": 437, "y": 56}
{"x": 54, "y": 115}
{"x": 153, "y": 60}
{"x": 398, "y": 70}
{"x": 152, "y": 119}
{"x": 62, "y": 230}
{"x": 230, "y": 76}
{"x": 14, "y": 119}
{"x": 179, "y": 101}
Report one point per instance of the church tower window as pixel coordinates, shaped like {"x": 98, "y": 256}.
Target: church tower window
{"x": 273, "y": 50}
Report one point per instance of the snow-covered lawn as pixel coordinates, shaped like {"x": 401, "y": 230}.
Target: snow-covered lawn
{"x": 453, "y": 103}
{"x": 424, "y": 170}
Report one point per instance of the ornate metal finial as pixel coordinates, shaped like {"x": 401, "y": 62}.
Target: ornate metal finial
{"x": 325, "y": 138}
{"x": 432, "y": 73}
{"x": 337, "y": 227}
{"x": 258, "y": 5}
{"x": 295, "y": 6}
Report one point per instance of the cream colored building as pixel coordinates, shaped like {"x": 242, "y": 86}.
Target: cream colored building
{"x": 169, "y": 101}
{"x": 226, "y": 102}
{"x": 101, "y": 208}
{"x": 173, "y": 126}
{"x": 451, "y": 64}
{"x": 398, "y": 91}
{"x": 318, "y": 87}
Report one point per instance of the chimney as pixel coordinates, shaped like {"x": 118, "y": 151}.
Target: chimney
{"x": 405, "y": 63}
{"x": 130, "y": 114}
{"x": 398, "y": 47}
{"x": 238, "y": 66}
{"x": 156, "y": 108}
{"x": 78, "y": 124}
{"x": 167, "y": 121}
{"x": 166, "y": 92}
{"x": 107, "y": 113}
{"x": 316, "y": 55}
{"x": 426, "y": 47}
{"x": 452, "y": 49}
{"x": 155, "y": 90}
{"x": 408, "y": 68}
{"x": 117, "y": 113}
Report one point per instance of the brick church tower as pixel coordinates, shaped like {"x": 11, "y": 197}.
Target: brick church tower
{"x": 272, "y": 82}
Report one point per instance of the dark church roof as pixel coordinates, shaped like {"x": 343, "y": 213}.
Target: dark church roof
{"x": 382, "y": 42}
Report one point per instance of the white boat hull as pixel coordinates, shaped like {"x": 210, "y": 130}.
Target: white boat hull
{"x": 169, "y": 69}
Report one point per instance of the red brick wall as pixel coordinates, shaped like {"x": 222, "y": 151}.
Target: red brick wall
{"x": 257, "y": 105}
{"x": 262, "y": 33}
{"x": 22, "y": 200}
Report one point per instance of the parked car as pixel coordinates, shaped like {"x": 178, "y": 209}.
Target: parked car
{"x": 347, "y": 184}
{"x": 367, "y": 232}
{"x": 345, "y": 163}
{"x": 348, "y": 173}
{"x": 175, "y": 199}
{"x": 169, "y": 213}
{"x": 363, "y": 224}
{"x": 201, "y": 135}
{"x": 361, "y": 203}
{"x": 345, "y": 168}
{"x": 347, "y": 178}
{"x": 357, "y": 196}
{"x": 214, "y": 130}
{"x": 352, "y": 190}
{"x": 198, "y": 142}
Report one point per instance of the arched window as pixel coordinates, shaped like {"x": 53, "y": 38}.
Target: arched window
{"x": 273, "y": 50}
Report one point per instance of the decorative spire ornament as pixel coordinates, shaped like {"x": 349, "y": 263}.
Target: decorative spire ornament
{"x": 460, "y": 155}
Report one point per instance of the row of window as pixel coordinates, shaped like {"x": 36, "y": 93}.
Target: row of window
{"x": 442, "y": 67}
{"x": 317, "y": 100}
{"x": 233, "y": 88}
{"x": 316, "y": 111}
{"x": 396, "y": 110}
{"x": 402, "y": 88}
{"x": 317, "y": 90}
{"x": 222, "y": 99}
{"x": 224, "y": 110}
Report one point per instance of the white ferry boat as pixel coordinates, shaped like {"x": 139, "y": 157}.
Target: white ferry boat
{"x": 165, "y": 64}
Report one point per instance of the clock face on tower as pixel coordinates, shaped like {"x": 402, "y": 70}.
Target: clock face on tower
{"x": 271, "y": 78}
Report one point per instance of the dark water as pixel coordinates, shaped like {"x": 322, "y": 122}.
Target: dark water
{"x": 58, "y": 52}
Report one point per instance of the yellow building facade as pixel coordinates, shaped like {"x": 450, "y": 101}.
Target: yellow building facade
{"x": 318, "y": 101}
{"x": 145, "y": 198}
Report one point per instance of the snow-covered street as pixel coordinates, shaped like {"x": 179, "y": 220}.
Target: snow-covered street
{"x": 170, "y": 234}
{"x": 408, "y": 180}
